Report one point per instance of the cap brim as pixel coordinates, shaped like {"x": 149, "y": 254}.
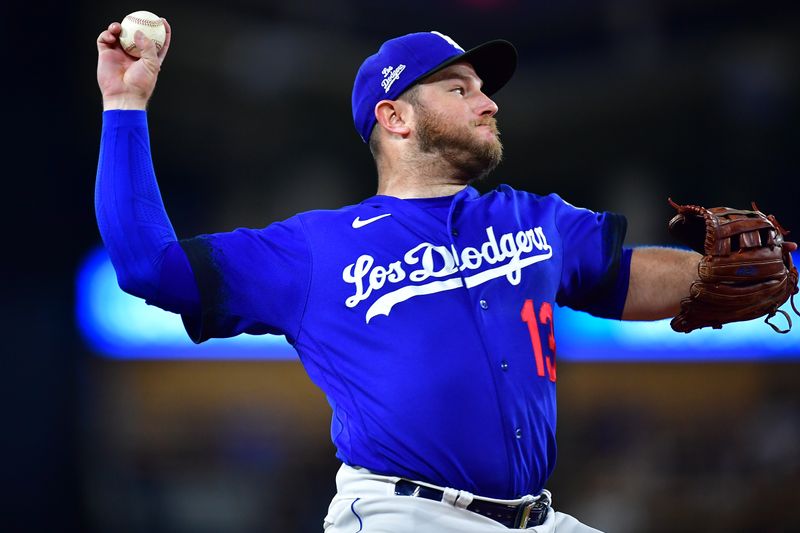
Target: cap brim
{"x": 493, "y": 61}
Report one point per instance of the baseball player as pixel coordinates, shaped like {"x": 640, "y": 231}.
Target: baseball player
{"x": 425, "y": 313}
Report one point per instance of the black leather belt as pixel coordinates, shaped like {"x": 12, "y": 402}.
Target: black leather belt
{"x": 525, "y": 514}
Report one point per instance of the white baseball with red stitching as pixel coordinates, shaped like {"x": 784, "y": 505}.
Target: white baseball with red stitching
{"x": 149, "y": 23}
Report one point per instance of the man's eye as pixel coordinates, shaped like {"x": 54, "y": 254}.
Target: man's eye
{"x": 459, "y": 90}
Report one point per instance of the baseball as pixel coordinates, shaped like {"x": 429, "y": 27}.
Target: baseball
{"x": 151, "y": 25}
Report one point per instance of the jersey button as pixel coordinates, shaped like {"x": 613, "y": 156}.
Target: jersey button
{"x": 484, "y": 304}
{"x": 503, "y": 365}
{"x": 518, "y": 433}
{"x": 454, "y": 232}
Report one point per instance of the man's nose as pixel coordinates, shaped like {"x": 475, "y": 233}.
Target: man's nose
{"x": 486, "y": 106}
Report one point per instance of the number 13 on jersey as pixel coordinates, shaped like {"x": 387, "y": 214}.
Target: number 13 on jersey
{"x": 544, "y": 317}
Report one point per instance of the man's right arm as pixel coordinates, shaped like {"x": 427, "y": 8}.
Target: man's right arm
{"x": 133, "y": 223}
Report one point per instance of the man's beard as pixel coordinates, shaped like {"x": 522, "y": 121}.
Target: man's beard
{"x": 460, "y": 146}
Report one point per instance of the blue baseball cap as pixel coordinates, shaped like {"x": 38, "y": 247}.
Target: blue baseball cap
{"x": 403, "y": 61}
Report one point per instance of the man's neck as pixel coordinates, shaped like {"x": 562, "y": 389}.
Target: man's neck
{"x": 420, "y": 179}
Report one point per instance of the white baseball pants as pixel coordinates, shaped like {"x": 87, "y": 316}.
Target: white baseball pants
{"x": 366, "y": 503}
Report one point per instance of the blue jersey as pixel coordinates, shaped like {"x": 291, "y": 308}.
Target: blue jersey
{"x": 432, "y": 335}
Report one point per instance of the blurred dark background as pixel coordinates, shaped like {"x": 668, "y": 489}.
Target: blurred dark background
{"x": 617, "y": 104}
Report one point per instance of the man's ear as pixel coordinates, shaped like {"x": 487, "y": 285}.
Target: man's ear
{"x": 394, "y": 116}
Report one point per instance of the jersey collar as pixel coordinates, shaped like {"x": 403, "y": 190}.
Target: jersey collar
{"x": 417, "y": 219}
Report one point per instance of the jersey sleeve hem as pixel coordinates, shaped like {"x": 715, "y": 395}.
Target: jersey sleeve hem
{"x": 205, "y": 277}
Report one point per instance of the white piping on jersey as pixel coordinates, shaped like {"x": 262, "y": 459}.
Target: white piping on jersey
{"x": 367, "y": 277}
{"x": 384, "y": 304}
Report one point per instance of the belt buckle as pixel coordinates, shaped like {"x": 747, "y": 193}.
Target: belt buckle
{"x": 537, "y": 508}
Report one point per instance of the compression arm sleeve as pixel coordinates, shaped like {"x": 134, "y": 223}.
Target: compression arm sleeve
{"x": 133, "y": 223}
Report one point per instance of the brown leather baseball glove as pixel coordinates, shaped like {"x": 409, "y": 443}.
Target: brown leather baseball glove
{"x": 746, "y": 271}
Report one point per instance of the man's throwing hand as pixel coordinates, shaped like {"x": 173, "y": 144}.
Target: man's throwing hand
{"x": 127, "y": 82}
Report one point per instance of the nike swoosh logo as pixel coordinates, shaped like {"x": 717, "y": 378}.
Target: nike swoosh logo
{"x": 358, "y": 223}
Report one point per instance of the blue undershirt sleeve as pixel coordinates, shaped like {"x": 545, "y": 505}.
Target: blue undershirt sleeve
{"x": 137, "y": 233}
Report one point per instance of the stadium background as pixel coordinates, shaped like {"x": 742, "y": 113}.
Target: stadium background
{"x": 616, "y": 105}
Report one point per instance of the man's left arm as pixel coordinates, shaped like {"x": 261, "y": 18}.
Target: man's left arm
{"x": 659, "y": 279}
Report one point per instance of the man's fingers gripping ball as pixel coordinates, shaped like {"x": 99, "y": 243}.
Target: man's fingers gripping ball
{"x": 109, "y": 36}
{"x": 151, "y": 27}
